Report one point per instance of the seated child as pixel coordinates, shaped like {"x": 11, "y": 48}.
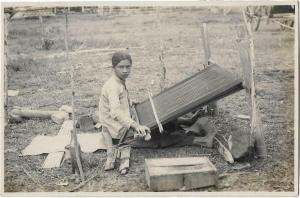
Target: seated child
{"x": 114, "y": 106}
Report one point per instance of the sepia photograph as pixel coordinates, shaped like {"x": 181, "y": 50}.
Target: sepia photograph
{"x": 149, "y": 98}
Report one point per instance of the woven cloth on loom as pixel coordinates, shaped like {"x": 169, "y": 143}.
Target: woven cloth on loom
{"x": 210, "y": 84}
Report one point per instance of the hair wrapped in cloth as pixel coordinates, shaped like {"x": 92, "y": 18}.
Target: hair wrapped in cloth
{"x": 119, "y": 56}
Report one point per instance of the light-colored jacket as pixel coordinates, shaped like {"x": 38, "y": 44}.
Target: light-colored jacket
{"x": 114, "y": 107}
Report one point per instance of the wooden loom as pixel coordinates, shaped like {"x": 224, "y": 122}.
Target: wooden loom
{"x": 206, "y": 87}
{"x": 210, "y": 84}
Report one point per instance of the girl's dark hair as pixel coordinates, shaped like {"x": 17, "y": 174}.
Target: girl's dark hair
{"x": 119, "y": 56}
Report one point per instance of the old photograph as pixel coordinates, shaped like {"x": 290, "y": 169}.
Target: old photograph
{"x": 150, "y": 97}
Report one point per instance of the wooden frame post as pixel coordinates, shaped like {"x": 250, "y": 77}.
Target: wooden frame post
{"x": 42, "y": 31}
{"x": 161, "y": 55}
{"x": 74, "y": 145}
{"x": 247, "y": 58}
{"x": 212, "y": 108}
{"x": 5, "y": 72}
{"x": 206, "y": 46}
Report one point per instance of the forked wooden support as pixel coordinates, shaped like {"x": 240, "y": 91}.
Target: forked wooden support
{"x": 212, "y": 108}
{"x": 75, "y": 150}
{"x": 247, "y": 58}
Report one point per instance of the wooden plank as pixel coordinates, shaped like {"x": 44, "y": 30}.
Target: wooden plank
{"x": 180, "y": 169}
{"x": 166, "y": 183}
{"x": 192, "y": 181}
{"x": 161, "y": 162}
{"x": 166, "y": 174}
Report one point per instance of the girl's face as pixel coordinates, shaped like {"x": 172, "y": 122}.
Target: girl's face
{"x": 122, "y": 70}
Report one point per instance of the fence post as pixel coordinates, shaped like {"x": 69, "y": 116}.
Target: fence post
{"x": 162, "y": 55}
{"x": 247, "y": 58}
{"x": 212, "y": 108}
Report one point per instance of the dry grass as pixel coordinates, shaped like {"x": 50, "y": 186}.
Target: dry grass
{"x": 44, "y": 83}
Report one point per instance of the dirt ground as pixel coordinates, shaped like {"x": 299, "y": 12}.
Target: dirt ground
{"x": 44, "y": 83}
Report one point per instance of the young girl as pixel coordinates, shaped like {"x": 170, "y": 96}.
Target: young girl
{"x": 114, "y": 106}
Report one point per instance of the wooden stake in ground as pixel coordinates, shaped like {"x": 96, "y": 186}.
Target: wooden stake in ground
{"x": 42, "y": 30}
{"x": 161, "y": 56}
{"x": 212, "y": 108}
{"x": 205, "y": 43}
{"x": 75, "y": 150}
{"x": 246, "y": 50}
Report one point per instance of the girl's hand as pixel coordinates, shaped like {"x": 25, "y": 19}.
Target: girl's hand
{"x": 142, "y": 130}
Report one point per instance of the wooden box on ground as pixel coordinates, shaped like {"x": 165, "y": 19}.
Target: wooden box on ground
{"x": 165, "y": 174}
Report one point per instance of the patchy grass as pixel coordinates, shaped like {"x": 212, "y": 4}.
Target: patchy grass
{"x": 44, "y": 83}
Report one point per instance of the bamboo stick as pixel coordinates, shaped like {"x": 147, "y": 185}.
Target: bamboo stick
{"x": 74, "y": 142}
{"x": 161, "y": 56}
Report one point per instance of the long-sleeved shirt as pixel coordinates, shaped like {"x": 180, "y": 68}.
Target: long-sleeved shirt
{"x": 114, "y": 109}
